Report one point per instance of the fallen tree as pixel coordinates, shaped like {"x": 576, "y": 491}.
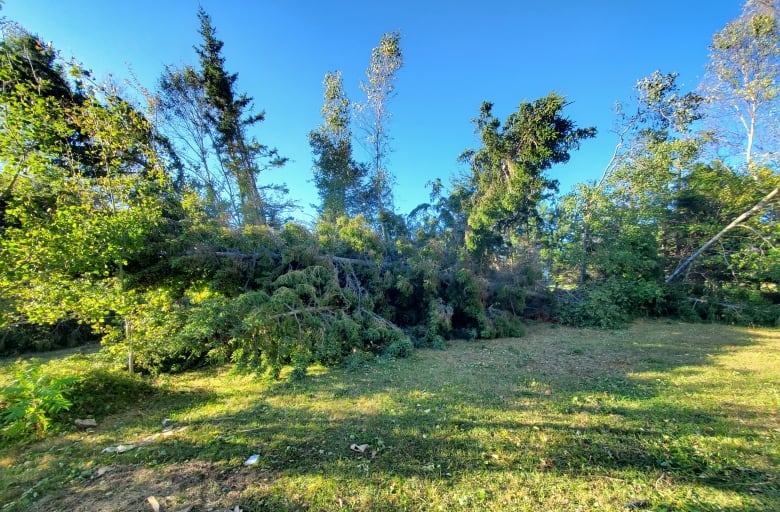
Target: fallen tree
{"x": 736, "y": 222}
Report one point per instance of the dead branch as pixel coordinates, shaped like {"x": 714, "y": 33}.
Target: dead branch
{"x": 733, "y": 307}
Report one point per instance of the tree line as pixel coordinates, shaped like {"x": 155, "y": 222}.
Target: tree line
{"x": 143, "y": 223}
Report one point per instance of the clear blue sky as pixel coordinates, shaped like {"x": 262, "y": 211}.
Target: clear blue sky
{"x": 457, "y": 54}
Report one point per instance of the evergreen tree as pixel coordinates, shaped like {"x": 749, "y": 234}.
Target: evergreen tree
{"x": 184, "y": 112}
{"x": 507, "y": 181}
{"x": 244, "y": 157}
{"x": 339, "y": 179}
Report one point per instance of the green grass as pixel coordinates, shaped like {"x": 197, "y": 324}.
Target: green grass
{"x": 659, "y": 416}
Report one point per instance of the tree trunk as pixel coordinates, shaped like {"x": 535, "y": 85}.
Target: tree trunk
{"x": 584, "y": 259}
{"x": 757, "y": 207}
{"x": 129, "y": 340}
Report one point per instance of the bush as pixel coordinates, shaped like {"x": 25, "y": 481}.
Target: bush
{"x": 100, "y": 392}
{"x": 440, "y": 319}
{"x": 358, "y": 360}
{"x": 738, "y": 307}
{"x": 469, "y": 334}
{"x": 595, "y": 307}
{"x": 300, "y": 363}
{"x": 504, "y": 324}
{"x": 399, "y": 349}
{"x": 32, "y": 400}
{"x": 175, "y": 334}
{"x": 466, "y": 294}
{"x": 734, "y": 305}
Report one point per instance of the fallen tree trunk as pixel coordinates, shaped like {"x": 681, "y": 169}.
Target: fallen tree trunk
{"x": 744, "y": 216}
{"x": 254, "y": 255}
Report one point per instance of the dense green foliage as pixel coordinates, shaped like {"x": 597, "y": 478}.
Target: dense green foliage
{"x": 31, "y": 400}
{"x": 508, "y": 180}
{"x": 339, "y": 179}
{"x": 146, "y": 226}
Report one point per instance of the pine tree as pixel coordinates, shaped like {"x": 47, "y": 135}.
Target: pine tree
{"x": 229, "y": 113}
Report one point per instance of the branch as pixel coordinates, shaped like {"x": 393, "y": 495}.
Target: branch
{"x": 733, "y": 307}
{"x": 229, "y": 254}
{"x": 352, "y": 261}
{"x": 254, "y": 255}
{"x": 380, "y": 319}
{"x": 301, "y": 311}
{"x": 759, "y": 235}
{"x": 537, "y": 295}
{"x": 756, "y": 208}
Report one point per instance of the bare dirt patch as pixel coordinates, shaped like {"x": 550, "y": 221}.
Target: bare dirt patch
{"x": 192, "y": 487}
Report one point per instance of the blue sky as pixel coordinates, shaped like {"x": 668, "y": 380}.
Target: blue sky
{"x": 456, "y": 53}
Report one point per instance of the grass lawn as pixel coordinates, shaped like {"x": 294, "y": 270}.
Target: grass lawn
{"x": 659, "y": 416}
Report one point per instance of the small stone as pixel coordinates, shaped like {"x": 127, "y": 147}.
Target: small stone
{"x": 102, "y": 471}
{"x": 86, "y": 423}
{"x": 122, "y": 448}
{"x": 637, "y": 504}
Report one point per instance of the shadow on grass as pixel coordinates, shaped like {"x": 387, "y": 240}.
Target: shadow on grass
{"x": 630, "y": 427}
{"x": 448, "y": 448}
{"x": 481, "y": 410}
{"x": 101, "y": 392}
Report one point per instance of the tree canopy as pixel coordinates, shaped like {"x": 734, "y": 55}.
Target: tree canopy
{"x": 144, "y": 221}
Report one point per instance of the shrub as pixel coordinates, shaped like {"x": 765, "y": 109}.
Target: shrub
{"x": 32, "y": 400}
{"x": 595, "y": 307}
{"x": 300, "y": 362}
{"x": 504, "y": 324}
{"x": 611, "y": 303}
{"x": 466, "y": 294}
{"x": 399, "y": 349}
{"x": 358, "y": 360}
{"x": 738, "y": 307}
{"x": 733, "y": 305}
{"x": 25, "y": 337}
{"x": 100, "y": 392}
{"x": 173, "y": 334}
{"x": 440, "y": 319}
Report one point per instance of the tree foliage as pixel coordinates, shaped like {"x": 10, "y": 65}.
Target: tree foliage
{"x": 340, "y": 180}
{"x": 211, "y": 121}
{"x": 379, "y": 88}
{"x": 153, "y": 230}
{"x": 74, "y": 222}
{"x": 507, "y": 181}
{"x": 742, "y": 86}
{"x": 670, "y": 227}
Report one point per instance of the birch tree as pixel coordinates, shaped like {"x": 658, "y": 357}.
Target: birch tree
{"x": 743, "y": 93}
{"x": 374, "y": 118}
{"x": 743, "y": 90}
